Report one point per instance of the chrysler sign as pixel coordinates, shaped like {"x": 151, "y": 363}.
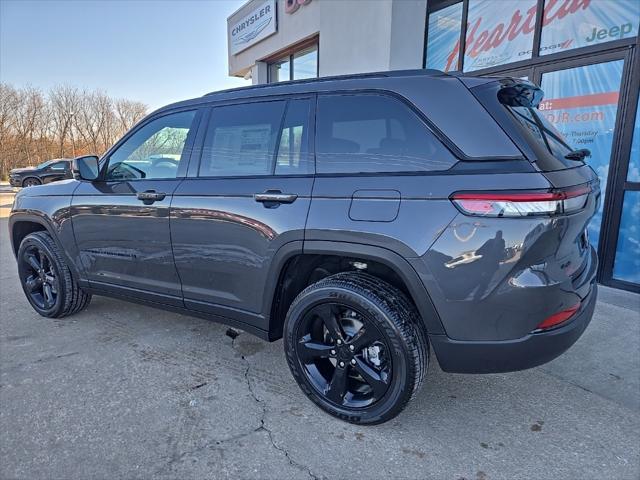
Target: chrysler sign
{"x": 250, "y": 28}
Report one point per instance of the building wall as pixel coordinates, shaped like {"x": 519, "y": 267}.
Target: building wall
{"x": 354, "y": 36}
{"x": 292, "y": 28}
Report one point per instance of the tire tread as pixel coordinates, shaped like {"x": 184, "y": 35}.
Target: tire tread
{"x": 399, "y": 310}
{"x": 75, "y": 298}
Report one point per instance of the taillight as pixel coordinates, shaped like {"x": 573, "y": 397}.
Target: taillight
{"x": 558, "y": 318}
{"x": 522, "y": 203}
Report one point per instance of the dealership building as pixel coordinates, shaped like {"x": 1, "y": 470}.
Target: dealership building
{"x": 585, "y": 55}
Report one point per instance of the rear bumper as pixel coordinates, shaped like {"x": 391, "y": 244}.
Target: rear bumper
{"x": 535, "y": 349}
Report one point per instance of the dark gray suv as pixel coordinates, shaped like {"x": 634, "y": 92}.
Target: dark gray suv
{"x": 365, "y": 219}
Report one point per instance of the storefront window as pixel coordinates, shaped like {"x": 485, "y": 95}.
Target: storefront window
{"x": 571, "y": 24}
{"x": 305, "y": 64}
{"x": 582, "y": 103}
{"x": 296, "y": 66}
{"x": 280, "y": 71}
{"x": 627, "y": 263}
{"x": 443, "y": 42}
{"x": 499, "y": 32}
{"x": 633, "y": 174}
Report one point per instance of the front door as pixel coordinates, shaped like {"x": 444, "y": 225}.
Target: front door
{"x": 121, "y": 223}
{"x": 249, "y": 197}
{"x": 56, "y": 171}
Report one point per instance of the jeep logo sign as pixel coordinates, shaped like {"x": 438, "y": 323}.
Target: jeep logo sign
{"x": 257, "y": 24}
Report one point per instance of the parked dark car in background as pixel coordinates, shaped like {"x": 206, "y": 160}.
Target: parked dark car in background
{"x": 364, "y": 219}
{"x": 46, "y": 172}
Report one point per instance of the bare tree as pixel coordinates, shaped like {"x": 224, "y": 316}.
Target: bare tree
{"x": 129, "y": 113}
{"x": 9, "y": 101}
{"x": 65, "y": 101}
{"x": 28, "y": 114}
{"x": 92, "y": 118}
{"x": 35, "y": 127}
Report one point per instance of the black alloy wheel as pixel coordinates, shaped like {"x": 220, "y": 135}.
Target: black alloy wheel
{"x": 344, "y": 355}
{"x": 31, "y": 182}
{"x": 40, "y": 277}
{"x": 356, "y": 346}
{"x": 46, "y": 278}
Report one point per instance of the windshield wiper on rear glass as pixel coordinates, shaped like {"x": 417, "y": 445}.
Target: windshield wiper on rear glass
{"x": 578, "y": 154}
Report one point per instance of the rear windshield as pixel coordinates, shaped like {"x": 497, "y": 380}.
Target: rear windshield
{"x": 514, "y": 105}
{"x": 542, "y": 130}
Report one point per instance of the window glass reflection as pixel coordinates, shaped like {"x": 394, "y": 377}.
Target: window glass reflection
{"x": 568, "y": 24}
{"x": 582, "y": 103}
{"x": 443, "y": 42}
{"x": 499, "y": 32}
{"x": 305, "y": 64}
{"x": 280, "y": 71}
{"x": 627, "y": 263}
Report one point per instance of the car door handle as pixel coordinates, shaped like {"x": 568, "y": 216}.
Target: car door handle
{"x": 150, "y": 196}
{"x": 275, "y": 197}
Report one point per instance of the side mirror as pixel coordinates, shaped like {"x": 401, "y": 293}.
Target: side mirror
{"x": 86, "y": 168}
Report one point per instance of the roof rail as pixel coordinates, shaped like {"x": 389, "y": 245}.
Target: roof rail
{"x": 392, "y": 73}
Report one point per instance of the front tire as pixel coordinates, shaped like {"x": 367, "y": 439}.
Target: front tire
{"x": 31, "y": 182}
{"x": 46, "y": 279}
{"x": 356, "y": 347}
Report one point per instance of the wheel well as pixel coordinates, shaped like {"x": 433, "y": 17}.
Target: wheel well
{"x": 21, "y": 230}
{"x": 31, "y": 177}
{"x": 302, "y": 270}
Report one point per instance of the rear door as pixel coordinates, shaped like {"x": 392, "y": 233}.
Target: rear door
{"x": 121, "y": 222}
{"x": 379, "y": 174}
{"x": 249, "y": 196}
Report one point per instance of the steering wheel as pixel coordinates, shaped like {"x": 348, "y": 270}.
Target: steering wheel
{"x": 170, "y": 162}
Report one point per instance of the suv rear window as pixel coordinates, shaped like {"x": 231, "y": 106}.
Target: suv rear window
{"x": 514, "y": 104}
{"x": 374, "y": 133}
{"x": 542, "y": 130}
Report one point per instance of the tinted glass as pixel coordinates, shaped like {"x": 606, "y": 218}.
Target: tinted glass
{"x": 569, "y": 24}
{"x": 499, "y": 32}
{"x": 45, "y": 164}
{"x": 59, "y": 166}
{"x": 305, "y": 64}
{"x": 374, "y": 133}
{"x": 293, "y": 150}
{"x": 443, "y": 38}
{"x": 153, "y": 151}
{"x": 542, "y": 130}
{"x": 241, "y": 139}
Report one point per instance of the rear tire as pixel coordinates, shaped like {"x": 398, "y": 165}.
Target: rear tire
{"x": 356, "y": 347}
{"x": 46, "y": 279}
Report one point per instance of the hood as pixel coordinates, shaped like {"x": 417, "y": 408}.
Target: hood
{"x": 63, "y": 187}
{"x": 21, "y": 170}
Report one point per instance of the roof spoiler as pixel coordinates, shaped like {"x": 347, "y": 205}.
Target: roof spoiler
{"x": 520, "y": 93}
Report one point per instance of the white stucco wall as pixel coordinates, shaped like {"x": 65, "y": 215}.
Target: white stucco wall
{"x": 356, "y": 36}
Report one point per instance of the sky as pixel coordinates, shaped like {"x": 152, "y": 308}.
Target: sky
{"x": 153, "y": 51}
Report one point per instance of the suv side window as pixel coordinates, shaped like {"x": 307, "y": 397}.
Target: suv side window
{"x": 59, "y": 166}
{"x": 241, "y": 139}
{"x": 374, "y": 133}
{"x": 153, "y": 151}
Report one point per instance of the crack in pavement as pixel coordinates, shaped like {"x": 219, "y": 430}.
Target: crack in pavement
{"x": 263, "y": 426}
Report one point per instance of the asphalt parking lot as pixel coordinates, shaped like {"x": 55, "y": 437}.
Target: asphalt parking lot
{"x": 125, "y": 391}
